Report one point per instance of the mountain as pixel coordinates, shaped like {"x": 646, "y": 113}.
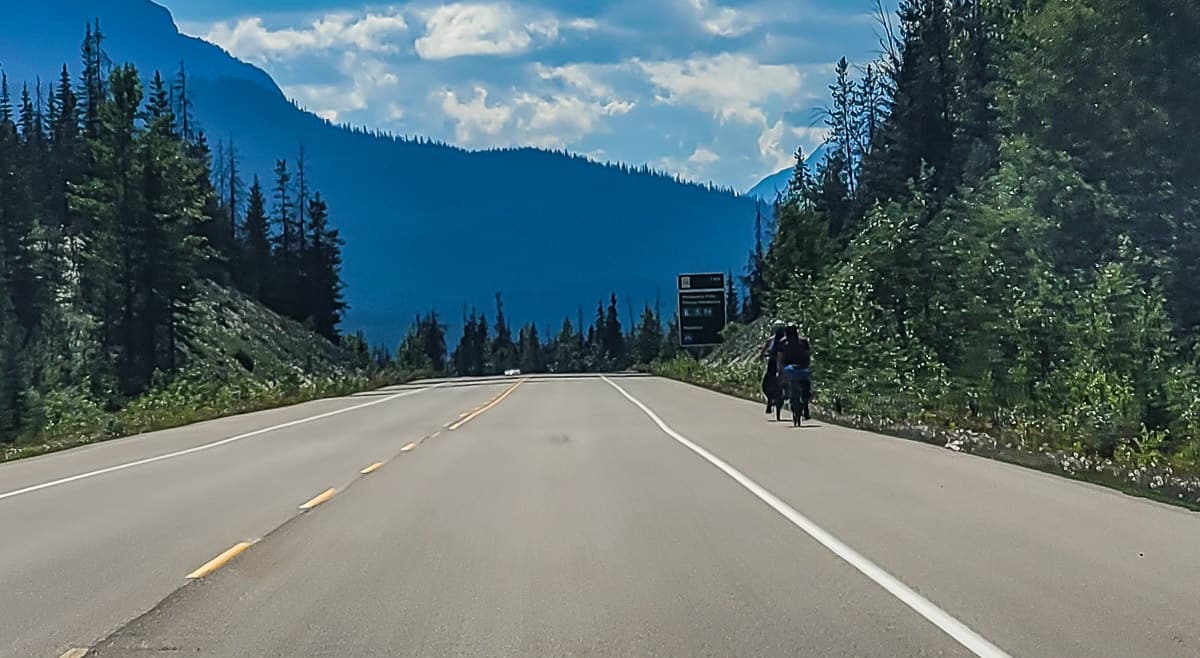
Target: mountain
{"x": 426, "y": 225}
{"x": 767, "y": 189}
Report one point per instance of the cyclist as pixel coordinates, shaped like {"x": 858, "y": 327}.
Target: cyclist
{"x": 771, "y": 387}
{"x": 794, "y": 362}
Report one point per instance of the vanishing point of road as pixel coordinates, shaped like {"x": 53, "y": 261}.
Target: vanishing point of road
{"x": 562, "y": 516}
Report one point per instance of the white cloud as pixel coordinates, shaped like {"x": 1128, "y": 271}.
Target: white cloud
{"x": 474, "y": 116}
{"x": 702, "y": 156}
{"x": 365, "y": 79}
{"x": 460, "y": 29}
{"x": 724, "y": 21}
{"x": 251, "y": 40}
{"x": 558, "y": 120}
{"x": 731, "y": 86}
{"x": 583, "y": 77}
{"x": 455, "y": 30}
{"x": 555, "y": 120}
{"x": 777, "y": 154}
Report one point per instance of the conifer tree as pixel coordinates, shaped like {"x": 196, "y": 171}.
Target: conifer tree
{"x": 256, "y": 266}
{"x": 322, "y": 277}
{"x": 649, "y": 343}
{"x": 504, "y": 350}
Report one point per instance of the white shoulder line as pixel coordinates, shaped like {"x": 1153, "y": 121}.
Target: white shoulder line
{"x": 207, "y": 446}
{"x": 973, "y": 641}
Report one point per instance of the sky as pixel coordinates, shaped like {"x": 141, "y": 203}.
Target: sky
{"x": 718, "y": 91}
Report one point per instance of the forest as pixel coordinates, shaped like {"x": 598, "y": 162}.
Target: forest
{"x": 113, "y": 214}
{"x": 1004, "y": 232}
{"x": 598, "y": 344}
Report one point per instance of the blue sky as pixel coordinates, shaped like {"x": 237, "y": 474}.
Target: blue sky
{"x": 714, "y": 90}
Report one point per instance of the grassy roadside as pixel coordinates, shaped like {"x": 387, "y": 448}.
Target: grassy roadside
{"x": 70, "y": 420}
{"x": 1161, "y": 482}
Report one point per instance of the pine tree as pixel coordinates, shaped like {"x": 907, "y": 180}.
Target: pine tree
{"x": 432, "y": 342}
{"x": 15, "y": 272}
{"x": 65, "y": 162}
{"x": 177, "y": 198}
{"x": 567, "y": 355}
{"x": 532, "y": 360}
{"x": 111, "y": 208}
{"x": 869, "y": 108}
{"x": 482, "y": 347}
{"x": 183, "y": 107}
{"x": 256, "y": 265}
{"x": 302, "y": 199}
{"x": 597, "y": 356}
{"x": 94, "y": 91}
{"x": 919, "y": 131}
{"x": 613, "y": 339}
{"x": 504, "y": 351}
{"x": 284, "y": 298}
{"x": 831, "y": 196}
{"x": 670, "y": 345}
{"x": 755, "y": 279}
{"x": 649, "y": 343}
{"x": 322, "y": 278}
{"x": 412, "y": 354}
{"x": 461, "y": 357}
{"x": 840, "y": 119}
{"x": 234, "y": 187}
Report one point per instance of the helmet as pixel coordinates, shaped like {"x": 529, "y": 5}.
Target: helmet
{"x": 779, "y": 324}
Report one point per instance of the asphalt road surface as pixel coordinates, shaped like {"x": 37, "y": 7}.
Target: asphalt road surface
{"x": 622, "y": 516}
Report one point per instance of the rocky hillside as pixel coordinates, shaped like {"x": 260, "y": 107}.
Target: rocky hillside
{"x": 238, "y": 356}
{"x": 235, "y": 337}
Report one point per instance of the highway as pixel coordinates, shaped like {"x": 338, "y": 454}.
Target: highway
{"x": 597, "y": 516}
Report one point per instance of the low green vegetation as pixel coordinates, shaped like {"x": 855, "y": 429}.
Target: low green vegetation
{"x": 243, "y": 357}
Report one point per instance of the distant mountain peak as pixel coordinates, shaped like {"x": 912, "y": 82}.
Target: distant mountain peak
{"x": 770, "y": 187}
{"x": 37, "y": 38}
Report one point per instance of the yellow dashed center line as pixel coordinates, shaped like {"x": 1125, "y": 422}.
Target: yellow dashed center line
{"x": 409, "y": 448}
{"x": 372, "y": 468}
{"x": 481, "y": 410}
{"x": 217, "y": 562}
{"x": 322, "y": 497}
{"x": 74, "y": 653}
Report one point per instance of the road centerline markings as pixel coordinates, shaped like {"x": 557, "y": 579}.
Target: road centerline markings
{"x": 320, "y": 498}
{"x": 968, "y": 638}
{"x": 479, "y": 411}
{"x": 74, "y": 652}
{"x": 220, "y": 560}
{"x": 372, "y": 468}
{"x": 208, "y": 446}
{"x": 409, "y": 447}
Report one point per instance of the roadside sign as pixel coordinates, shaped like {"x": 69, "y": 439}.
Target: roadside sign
{"x": 701, "y": 309}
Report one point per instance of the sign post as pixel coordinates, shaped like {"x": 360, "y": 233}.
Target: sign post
{"x": 701, "y": 309}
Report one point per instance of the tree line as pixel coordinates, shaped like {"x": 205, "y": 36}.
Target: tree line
{"x": 491, "y": 347}
{"x": 1004, "y": 229}
{"x": 111, "y": 212}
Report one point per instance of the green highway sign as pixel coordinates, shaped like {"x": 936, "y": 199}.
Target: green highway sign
{"x": 701, "y": 309}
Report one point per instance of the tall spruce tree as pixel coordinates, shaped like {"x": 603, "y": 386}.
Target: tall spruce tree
{"x": 284, "y": 298}
{"x": 256, "y": 269}
{"x": 322, "y": 276}
{"x": 504, "y": 350}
